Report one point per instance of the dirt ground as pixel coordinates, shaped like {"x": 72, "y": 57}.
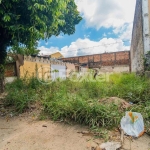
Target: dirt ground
{"x": 27, "y": 132}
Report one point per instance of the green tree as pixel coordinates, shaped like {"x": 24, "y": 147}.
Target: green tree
{"x": 24, "y": 22}
{"x": 24, "y": 50}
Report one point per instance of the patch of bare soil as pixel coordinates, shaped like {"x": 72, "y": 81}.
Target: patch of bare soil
{"x": 121, "y": 103}
{"x": 142, "y": 143}
{"x": 24, "y": 133}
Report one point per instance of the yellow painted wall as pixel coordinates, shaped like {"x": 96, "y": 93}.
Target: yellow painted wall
{"x": 41, "y": 68}
{"x": 56, "y": 55}
{"x": 35, "y": 69}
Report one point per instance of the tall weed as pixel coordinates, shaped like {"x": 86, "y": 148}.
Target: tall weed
{"x": 79, "y": 101}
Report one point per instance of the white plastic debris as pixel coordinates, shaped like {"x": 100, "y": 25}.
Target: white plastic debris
{"x": 110, "y": 145}
{"x": 132, "y": 124}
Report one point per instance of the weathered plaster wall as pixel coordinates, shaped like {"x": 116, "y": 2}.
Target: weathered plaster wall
{"x": 137, "y": 46}
{"x": 34, "y": 69}
{"x": 70, "y": 68}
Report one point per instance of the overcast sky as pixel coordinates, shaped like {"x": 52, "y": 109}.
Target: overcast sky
{"x": 106, "y": 27}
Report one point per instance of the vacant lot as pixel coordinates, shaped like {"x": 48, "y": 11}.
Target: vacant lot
{"x": 90, "y": 103}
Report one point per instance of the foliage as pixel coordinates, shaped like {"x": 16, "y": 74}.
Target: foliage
{"x": 19, "y": 97}
{"x": 9, "y": 59}
{"x": 79, "y": 101}
{"x": 28, "y": 21}
{"x": 23, "y": 23}
{"x": 131, "y": 87}
{"x": 23, "y": 50}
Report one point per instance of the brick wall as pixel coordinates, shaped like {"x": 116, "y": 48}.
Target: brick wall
{"x": 83, "y": 59}
{"x": 105, "y": 59}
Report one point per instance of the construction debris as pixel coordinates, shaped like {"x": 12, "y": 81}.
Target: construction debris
{"x": 121, "y": 103}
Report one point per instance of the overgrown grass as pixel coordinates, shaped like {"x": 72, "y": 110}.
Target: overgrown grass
{"x": 78, "y": 101}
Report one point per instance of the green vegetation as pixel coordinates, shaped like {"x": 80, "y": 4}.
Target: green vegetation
{"x": 80, "y": 101}
{"x": 23, "y": 23}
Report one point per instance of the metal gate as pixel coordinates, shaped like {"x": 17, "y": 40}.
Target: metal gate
{"x": 58, "y": 71}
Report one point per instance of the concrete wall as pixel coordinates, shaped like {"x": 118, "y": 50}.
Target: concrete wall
{"x": 140, "y": 44}
{"x": 146, "y": 25}
{"x": 137, "y": 43}
{"x": 70, "y": 68}
{"x": 19, "y": 62}
{"x": 34, "y": 69}
{"x": 115, "y": 69}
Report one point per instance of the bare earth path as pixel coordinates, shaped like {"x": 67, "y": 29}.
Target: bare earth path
{"x": 24, "y": 133}
{"x": 19, "y": 134}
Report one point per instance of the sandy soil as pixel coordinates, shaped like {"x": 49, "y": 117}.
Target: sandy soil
{"x": 25, "y": 133}
{"x": 142, "y": 143}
